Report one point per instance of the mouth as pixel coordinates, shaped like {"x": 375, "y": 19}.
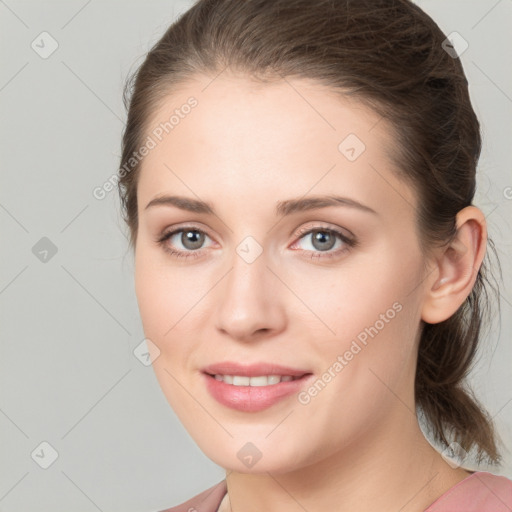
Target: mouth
{"x": 257, "y": 381}
{"x": 253, "y": 388}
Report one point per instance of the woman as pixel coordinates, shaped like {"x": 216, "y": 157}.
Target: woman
{"x": 257, "y": 133}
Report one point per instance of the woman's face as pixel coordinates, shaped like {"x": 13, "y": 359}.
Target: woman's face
{"x": 274, "y": 272}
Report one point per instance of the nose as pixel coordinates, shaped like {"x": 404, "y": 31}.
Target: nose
{"x": 250, "y": 301}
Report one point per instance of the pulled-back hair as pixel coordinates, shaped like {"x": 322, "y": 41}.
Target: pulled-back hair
{"x": 389, "y": 55}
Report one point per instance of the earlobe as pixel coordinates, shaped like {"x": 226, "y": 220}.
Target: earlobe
{"x": 457, "y": 267}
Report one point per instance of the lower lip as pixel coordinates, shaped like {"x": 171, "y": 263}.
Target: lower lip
{"x": 252, "y": 398}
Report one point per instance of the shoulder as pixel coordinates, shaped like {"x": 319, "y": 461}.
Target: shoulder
{"x": 479, "y": 492}
{"x": 206, "y": 501}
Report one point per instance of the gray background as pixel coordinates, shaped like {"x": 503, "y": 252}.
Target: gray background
{"x": 70, "y": 323}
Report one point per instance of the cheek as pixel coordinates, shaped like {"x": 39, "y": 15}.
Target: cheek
{"x": 161, "y": 307}
{"x": 149, "y": 292}
{"x": 160, "y": 299}
{"x": 362, "y": 298}
{"x": 367, "y": 374}
{"x": 169, "y": 300}
{"x": 162, "y": 290}
{"x": 373, "y": 318}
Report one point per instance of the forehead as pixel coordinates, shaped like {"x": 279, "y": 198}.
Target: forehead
{"x": 286, "y": 111}
{"x": 241, "y": 135}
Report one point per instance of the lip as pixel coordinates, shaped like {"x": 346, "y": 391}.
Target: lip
{"x": 252, "y": 370}
{"x": 253, "y": 398}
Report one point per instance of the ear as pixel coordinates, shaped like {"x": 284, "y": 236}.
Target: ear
{"x": 455, "y": 267}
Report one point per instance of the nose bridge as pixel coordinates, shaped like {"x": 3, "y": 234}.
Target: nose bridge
{"x": 248, "y": 274}
{"x": 249, "y": 300}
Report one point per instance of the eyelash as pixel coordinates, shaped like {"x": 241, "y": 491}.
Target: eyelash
{"x": 349, "y": 242}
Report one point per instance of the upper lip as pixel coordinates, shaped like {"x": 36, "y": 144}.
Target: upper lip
{"x": 252, "y": 370}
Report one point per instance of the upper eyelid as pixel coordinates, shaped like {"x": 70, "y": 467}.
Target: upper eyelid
{"x": 342, "y": 231}
{"x": 300, "y": 231}
{"x": 172, "y": 231}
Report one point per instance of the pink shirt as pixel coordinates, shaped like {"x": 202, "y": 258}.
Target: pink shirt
{"x": 478, "y": 492}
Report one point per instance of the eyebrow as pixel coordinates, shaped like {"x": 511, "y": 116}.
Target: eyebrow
{"x": 283, "y": 208}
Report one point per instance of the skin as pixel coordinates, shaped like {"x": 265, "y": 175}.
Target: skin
{"x": 357, "y": 444}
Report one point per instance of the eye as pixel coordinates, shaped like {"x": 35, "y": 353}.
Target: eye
{"x": 188, "y": 241}
{"x": 320, "y": 242}
{"x": 184, "y": 242}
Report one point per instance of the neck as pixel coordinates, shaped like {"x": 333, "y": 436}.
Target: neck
{"x": 388, "y": 469}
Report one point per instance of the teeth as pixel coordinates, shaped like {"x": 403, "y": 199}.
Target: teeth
{"x": 241, "y": 381}
{"x": 274, "y": 379}
{"x": 263, "y": 380}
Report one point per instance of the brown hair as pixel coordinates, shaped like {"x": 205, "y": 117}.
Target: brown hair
{"x": 389, "y": 55}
